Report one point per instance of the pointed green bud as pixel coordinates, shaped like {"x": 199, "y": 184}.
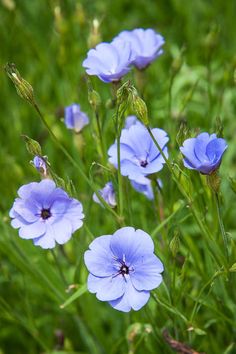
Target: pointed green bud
{"x": 174, "y": 244}
{"x": 32, "y": 146}
{"x": 23, "y": 88}
{"x": 94, "y": 99}
{"x": 140, "y": 109}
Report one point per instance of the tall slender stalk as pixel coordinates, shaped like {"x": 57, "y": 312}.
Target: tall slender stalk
{"x": 221, "y": 224}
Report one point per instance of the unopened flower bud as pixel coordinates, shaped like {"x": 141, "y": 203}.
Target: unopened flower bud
{"x": 94, "y": 99}
{"x": 174, "y": 244}
{"x": 94, "y": 36}
{"x": 23, "y": 88}
{"x": 32, "y": 146}
{"x": 140, "y": 109}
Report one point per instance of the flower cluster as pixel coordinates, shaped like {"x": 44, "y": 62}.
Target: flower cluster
{"x": 46, "y": 214}
{"x": 123, "y": 268}
{"x": 111, "y": 61}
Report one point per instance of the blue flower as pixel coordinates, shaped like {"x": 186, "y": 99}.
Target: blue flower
{"x": 139, "y": 156}
{"x": 145, "y": 44}
{"x": 40, "y": 163}
{"x": 203, "y": 153}
{"x": 74, "y": 118}
{"x": 123, "y": 268}
{"x": 108, "y": 194}
{"x": 45, "y": 214}
{"x": 109, "y": 61}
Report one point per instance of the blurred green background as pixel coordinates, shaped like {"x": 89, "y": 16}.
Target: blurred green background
{"x": 48, "y": 40}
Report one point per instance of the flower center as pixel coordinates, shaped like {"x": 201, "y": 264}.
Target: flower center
{"x": 124, "y": 269}
{"x": 143, "y": 163}
{"x": 45, "y": 214}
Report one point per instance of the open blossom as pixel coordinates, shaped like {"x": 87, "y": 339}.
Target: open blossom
{"x": 109, "y": 61}
{"x": 45, "y": 214}
{"x": 123, "y": 268}
{"x": 40, "y": 163}
{"x": 145, "y": 45}
{"x": 203, "y": 153}
{"x": 139, "y": 156}
{"x": 74, "y": 118}
{"x": 108, "y": 194}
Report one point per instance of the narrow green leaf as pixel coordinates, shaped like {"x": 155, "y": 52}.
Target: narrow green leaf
{"x": 82, "y": 289}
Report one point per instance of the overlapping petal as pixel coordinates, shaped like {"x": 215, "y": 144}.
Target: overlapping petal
{"x": 203, "y": 153}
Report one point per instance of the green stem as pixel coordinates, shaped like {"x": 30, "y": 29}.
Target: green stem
{"x": 59, "y": 268}
{"x": 222, "y": 228}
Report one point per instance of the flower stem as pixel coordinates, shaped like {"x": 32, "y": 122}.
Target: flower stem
{"x": 221, "y": 224}
{"x": 59, "y": 268}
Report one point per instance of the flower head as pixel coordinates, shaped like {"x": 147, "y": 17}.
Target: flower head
{"x": 145, "y": 44}
{"x": 139, "y": 156}
{"x": 123, "y": 268}
{"x": 45, "y": 214}
{"x": 40, "y": 163}
{"x": 109, "y": 61}
{"x": 108, "y": 194}
{"x": 203, "y": 153}
{"x": 75, "y": 118}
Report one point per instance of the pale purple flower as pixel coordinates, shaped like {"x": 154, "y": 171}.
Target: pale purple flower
{"x": 139, "y": 156}
{"x": 123, "y": 268}
{"x": 40, "y": 163}
{"x": 109, "y": 61}
{"x": 145, "y": 44}
{"x": 45, "y": 214}
{"x": 108, "y": 194}
{"x": 74, "y": 118}
{"x": 131, "y": 120}
{"x": 203, "y": 153}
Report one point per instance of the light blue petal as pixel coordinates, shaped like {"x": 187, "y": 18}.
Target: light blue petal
{"x": 106, "y": 288}
{"x": 146, "y": 274}
{"x": 33, "y": 230}
{"x": 132, "y": 299}
{"x": 131, "y": 244}
{"x": 99, "y": 259}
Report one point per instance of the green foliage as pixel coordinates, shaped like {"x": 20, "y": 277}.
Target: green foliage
{"x": 44, "y": 306}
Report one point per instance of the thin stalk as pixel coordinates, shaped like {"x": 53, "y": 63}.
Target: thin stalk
{"x": 59, "y": 268}
{"x": 221, "y": 224}
{"x": 100, "y": 136}
{"x": 120, "y": 194}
